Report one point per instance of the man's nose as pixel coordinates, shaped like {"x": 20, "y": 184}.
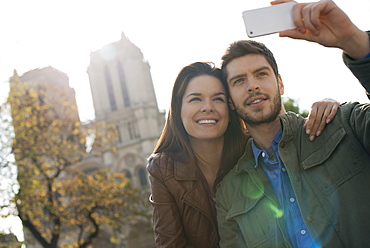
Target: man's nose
{"x": 253, "y": 86}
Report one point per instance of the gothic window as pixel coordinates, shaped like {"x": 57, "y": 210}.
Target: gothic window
{"x": 142, "y": 176}
{"x": 108, "y": 81}
{"x": 127, "y": 174}
{"x": 132, "y": 128}
{"x": 126, "y": 96}
{"x": 119, "y": 134}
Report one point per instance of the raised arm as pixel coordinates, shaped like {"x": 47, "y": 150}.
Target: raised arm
{"x": 360, "y": 69}
{"x": 325, "y": 23}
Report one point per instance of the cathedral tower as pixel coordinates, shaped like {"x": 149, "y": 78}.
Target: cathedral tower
{"x": 123, "y": 95}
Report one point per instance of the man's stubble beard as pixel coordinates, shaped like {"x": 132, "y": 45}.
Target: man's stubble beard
{"x": 253, "y": 119}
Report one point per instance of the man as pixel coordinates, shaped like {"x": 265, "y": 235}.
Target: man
{"x": 286, "y": 191}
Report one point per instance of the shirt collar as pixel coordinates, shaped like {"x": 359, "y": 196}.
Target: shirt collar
{"x": 257, "y": 152}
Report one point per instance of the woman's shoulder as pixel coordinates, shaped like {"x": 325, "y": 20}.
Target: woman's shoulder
{"x": 160, "y": 162}
{"x": 160, "y": 157}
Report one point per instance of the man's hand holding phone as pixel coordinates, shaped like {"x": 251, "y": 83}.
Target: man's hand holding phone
{"x": 325, "y": 23}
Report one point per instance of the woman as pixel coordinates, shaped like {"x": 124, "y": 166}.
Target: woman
{"x": 202, "y": 138}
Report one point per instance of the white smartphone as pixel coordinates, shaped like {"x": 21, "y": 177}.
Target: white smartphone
{"x": 269, "y": 20}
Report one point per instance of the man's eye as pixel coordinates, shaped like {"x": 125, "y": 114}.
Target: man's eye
{"x": 262, "y": 74}
{"x": 238, "y": 81}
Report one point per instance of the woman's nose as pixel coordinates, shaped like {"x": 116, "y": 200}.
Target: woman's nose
{"x": 207, "y": 107}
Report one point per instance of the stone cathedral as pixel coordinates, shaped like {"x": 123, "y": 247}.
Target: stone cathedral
{"x": 123, "y": 95}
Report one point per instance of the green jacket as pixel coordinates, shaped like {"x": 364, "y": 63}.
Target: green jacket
{"x": 330, "y": 177}
{"x": 360, "y": 69}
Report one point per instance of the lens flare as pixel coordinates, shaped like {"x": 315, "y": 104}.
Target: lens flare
{"x": 253, "y": 192}
{"x": 278, "y": 213}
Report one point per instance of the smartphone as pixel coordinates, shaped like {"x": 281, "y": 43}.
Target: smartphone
{"x": 269, "y": 20}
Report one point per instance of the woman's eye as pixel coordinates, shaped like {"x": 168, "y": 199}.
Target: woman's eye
{"x": 194, "y": 99}
{"x": 220, "y": 99}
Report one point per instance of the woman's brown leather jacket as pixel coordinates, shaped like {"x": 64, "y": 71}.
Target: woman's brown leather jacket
{"x": 182, "y": 213}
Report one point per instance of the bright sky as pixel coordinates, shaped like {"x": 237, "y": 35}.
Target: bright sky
{"x": 171, "y": 34}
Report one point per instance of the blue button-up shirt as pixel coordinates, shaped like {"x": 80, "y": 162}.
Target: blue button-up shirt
{"x": 274, "y": 168}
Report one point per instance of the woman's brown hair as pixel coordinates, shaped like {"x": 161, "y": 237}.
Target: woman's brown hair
{"x": 174, "y": 140}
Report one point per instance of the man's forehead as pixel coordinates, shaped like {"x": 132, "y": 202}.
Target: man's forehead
{"x": 245, "y": 63}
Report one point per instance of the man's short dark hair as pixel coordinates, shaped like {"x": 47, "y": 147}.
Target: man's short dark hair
{"x": 244, "y": 47}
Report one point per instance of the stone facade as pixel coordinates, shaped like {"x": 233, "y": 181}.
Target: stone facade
{"x": 123, "y": 95}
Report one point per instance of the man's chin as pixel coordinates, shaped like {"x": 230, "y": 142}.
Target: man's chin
{"x": 253, "y": 121}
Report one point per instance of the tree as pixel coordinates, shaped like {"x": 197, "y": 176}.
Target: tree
{"x": 113, "y": 204}
{"x": 8, "y": 240}
{"x": 54, "y": 198}
{"x": 6, "y": 134}
{"x": 291, "y": 105}
{"x": 8, "y": 172}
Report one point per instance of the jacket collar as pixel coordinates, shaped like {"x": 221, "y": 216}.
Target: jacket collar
{"x": 289, "y": 122}
{"x": 247, "y": 160}
{"x": 186, "y": 171}
{"x": 194, "y": 196}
